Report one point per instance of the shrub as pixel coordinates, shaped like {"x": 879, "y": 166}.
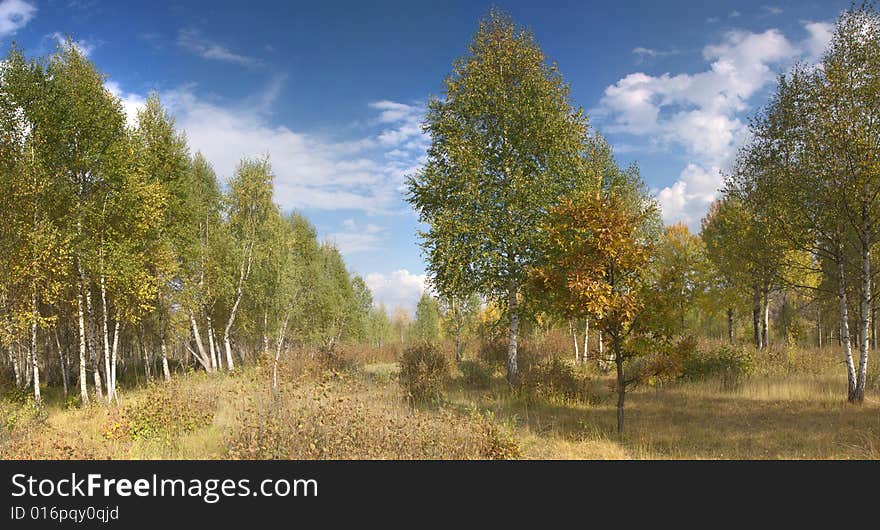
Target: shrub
{"x": 552, "y": 379}
{"x": 493, "y": 352}
{"x": 475, "y": 374}
{"x": 170, "y": 411}
{"x": 423, "y": 372}
{"x": 731, "y": 365}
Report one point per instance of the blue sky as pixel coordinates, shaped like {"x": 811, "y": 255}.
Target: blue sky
{"x": 334, "y": 93}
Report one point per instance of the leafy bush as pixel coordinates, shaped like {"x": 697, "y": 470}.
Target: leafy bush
{"x": 169, "y": 412}
{"x": 553, "y": 379}
{"x": 731, "y": 365}
{"x": 475, "y": 374}
{"x": 423, "y": 372}
{"x": 493, "y": 353}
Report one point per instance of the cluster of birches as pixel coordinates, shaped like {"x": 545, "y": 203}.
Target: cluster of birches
{"x": 119, "y": 250}
{"x": 526, "y": 207}
{"x": 121, "y": 256}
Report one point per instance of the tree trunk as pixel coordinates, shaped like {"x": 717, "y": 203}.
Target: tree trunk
{"x": 212, "y": 344}
{"x": 603, "y": 364}
{"x": 621, "y": 383}
{"x": 512, "y": 372}
{"x": 730, "y": 325}
{"x": 204, "y": 358}
{"x": 574, "y": 338}
{"x": 243, "y": 273}
{"x": 166, "y": 372}
{"x": 819, "y": 327}
{"x": 864, "y": 300}
{"x": 93, "y": 355}
{"x": 81, "y": 325}
{"x": 756, "y": 318}
{"x": 279, "y": 344}
{"x": 765, "y": 319}
{"x": 113, "y": 352}
{"x": 35, "y": 362}
{"x": 844, "y": 329}
{"x": 62, "y": 361}
{"x": 106, "y": 340}
{"x": 586, "y": 340}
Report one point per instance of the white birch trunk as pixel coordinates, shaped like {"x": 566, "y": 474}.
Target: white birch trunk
{"x": 244, "y": 272}
{"x": 105, "y": 333}
{"x": 844, "y": 329}
{"x": 35, "y": 363}
{"x": 203, "y": 357}
{"x": 212, "y": 344}
{"x": 81, "y": 325}
{"x": 864, "y": 309}
{"x": 113, "y": 353}
{"x": 512, "y": 371}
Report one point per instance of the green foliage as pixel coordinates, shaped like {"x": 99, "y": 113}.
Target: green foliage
{"x": 730, "y": 364}
{"x": 170, "y": 412}
{"x": 426, "y": 326}
{"x": 554, "y": 380}
{"x": 423, "y": 373}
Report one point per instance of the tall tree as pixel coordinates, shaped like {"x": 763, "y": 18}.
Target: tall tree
{"x": 505, "y": 144}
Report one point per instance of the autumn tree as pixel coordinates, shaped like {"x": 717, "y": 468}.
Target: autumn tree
{"x": 594, "y": 249}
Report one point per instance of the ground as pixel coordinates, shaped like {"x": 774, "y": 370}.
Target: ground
{"x": 788, "y": 410}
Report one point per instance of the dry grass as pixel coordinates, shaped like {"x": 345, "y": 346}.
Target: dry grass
{"x": 792, "y": 408}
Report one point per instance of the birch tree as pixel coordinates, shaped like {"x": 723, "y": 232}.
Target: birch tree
{"x": 505, "y": 143}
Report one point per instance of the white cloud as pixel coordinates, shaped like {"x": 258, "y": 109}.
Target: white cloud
{"x": 131, "y": 103}
{"x": 193, "y": 41}
{"x": 401, "y": 288}
{"x": 772, "y": 10}
{"x": 84, "y": 47}
{"x": 354, "y": 238}
{"x": 701, "y": 113}
{"x": 311, "y": 171}
{"x": 14, "y": 15}
{"x": 820, "y": 35}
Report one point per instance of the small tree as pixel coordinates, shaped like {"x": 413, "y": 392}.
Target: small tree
{"x": 426, "y": 327}
{"x": 596, "y": 259}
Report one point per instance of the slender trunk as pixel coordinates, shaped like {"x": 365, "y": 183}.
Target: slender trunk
{"x": 844, "y": 329}
{"x": 278, "y": 345}
{"x": 603, "y": 365}
{"x": 113, "y": 352}
{"x": 243, "y": 273}
{"x": 864, "y": 300}
{"x": 16, "y": 367}
{"x": 106, "y": 340}
{"x": 204, "y": 359}
{"x": 756, "y": 318}
{"x": 61, "y": 361}
{"x": 512, "y": 372}
{"x": 765, "y": 319}
{"x": 93, "y": 355}
{"x": 265, "y": 331}
{"x": 586, "y": 340}
{"x": 35, "y": 362}
{"x": 80, "y": 318}
{"x": 730, "y": 325}
{"x": 574, "y": 338}
{"x": 621, "y": 383}
{"x": 215, "y": 360}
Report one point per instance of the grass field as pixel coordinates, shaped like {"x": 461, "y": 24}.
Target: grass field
{"x": 792, "y": 408}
